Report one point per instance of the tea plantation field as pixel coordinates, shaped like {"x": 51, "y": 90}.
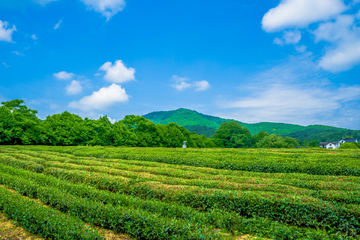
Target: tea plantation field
{"x": 161, "y": 193}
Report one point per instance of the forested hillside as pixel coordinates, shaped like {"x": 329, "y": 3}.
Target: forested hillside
{"x": 207, "y": 125}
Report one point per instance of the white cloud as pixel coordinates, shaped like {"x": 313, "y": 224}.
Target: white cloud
{"x": 301, "y": 49}
{"x": 182, "y": 84}
{"x": 107, "y": 8}
{"x": 63, "y": 75}
{"x": 33, "y": 37}
{"x": 289, "y": 37}
{"x": 201, "y": 85}
{"x": 344, "y": 53}
{"x": 334, "y": 31}
{"x": 53, "y": 106}
{"x": 18, "y": 53}
{"x": 74, "y": 88}
{"x": 340, "y": 31}
{"x": 293, "y": 103}
{"x": 112, "y": 120}
{"x": 300, "y": 13}
{"x": 278, "y": 41}
{"x": 292, "y": 37}
{"x": 5, "y": 65}
{"x": 294, "y": 93}
{"x": 58, "y": 24}
{"x": 342, "y": 58}
{"x": 101, "y": 99}
{"x": 117, "y": 72}
{"x": 5, "y": 32}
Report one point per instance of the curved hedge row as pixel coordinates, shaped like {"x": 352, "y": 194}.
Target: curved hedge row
{"x": 218, "y": 219}
{"x": 310, "y": 161}
{"x": 349, "y": 191}
{"x": 46, "y": 222}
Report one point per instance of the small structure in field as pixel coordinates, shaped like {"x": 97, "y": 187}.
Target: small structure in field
{"x": 334, "y": 145}
{"x": 184, "y": 144}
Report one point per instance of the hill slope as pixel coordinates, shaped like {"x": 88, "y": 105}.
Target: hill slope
{"x": 206, "y": 124}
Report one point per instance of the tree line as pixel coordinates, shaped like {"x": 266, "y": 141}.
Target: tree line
{"x": 19, "y": 125}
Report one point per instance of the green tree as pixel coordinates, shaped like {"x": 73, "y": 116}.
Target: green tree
{"x": 101, "y": 131}
{"x": 202, "y": 141}
{"x": 189, "y": 141}
{"x": 347, "y": 145}
{"x": 276, "y": 141}
{"x": 123, "y": 136}
{"x": 145, "y": 130}
{"x": 232, "y": 135}
{"x": 66, "y": 129}
{"x": 258, "y": 137}
{"x": 19, "y": 124}
{"x": 171, "y": 136}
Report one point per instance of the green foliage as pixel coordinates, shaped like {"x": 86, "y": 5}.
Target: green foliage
{"x": 202, "y": 142}
{"x": 19, "y": 124}
{"x": 275, "y": 141}
{"x": 24, "y": 183}
{"x": 201, "y": 130}
{"x": 310, "y": 161}
{"x": 232, "y": 135}
{"x": 128, "y": 191}
{"x": 351, "y": 145}
{"x": 206, "y": 125}
{"x": 46, "y": 222}
{"x": 65, "y": 129}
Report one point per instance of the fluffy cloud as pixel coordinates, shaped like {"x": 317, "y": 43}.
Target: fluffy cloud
{"x": 33, "y": 37}
{"x": 296, "y": 103}
{"x": 294, "y": 98}
{"x": 295, "y": 93}
{"x": 340, "y": 31}
{"x": 278, "y": 41}
{"x": 201, "y": 85}
{"x": 117, "y": 72}
{"x": 300, "y": 13}
{"x": 289, "y": 37}
{"x": 74, "y": 88}
{"x": 344, "y": 34}
{"x": 101, "y": 99}
{"x": 18, "y": 53}
{"x": 63, "y": 75}
{"x": 6, "y": 32}
{"x": 107, "y": 8}
{"x": 57, "y": 25}
{"x": 182, "y": 84}
{"x": 292, "y": 37}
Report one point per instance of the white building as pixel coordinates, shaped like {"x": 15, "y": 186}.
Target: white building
{"x": 329, "y": 145}
{"x": 348, "y": 140}
{"x": 334, "y": 145}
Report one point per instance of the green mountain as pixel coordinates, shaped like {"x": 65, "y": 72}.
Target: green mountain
{"x": 207, "y": 125}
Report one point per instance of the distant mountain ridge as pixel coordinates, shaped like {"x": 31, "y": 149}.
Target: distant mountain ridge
{"x": 207, "y": 124}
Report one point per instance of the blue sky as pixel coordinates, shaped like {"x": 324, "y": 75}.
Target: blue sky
{"x": 292, "y": 61}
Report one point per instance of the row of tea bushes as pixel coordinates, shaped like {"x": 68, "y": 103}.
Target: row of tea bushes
{"x": 218, "y": 219}
{"x": 135, "y": 222}
{"x": 314, "y": 162}
{"x": 46, "y": 222}
{"x": 280, "y": 207}
{"x": 346, "y": 192}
